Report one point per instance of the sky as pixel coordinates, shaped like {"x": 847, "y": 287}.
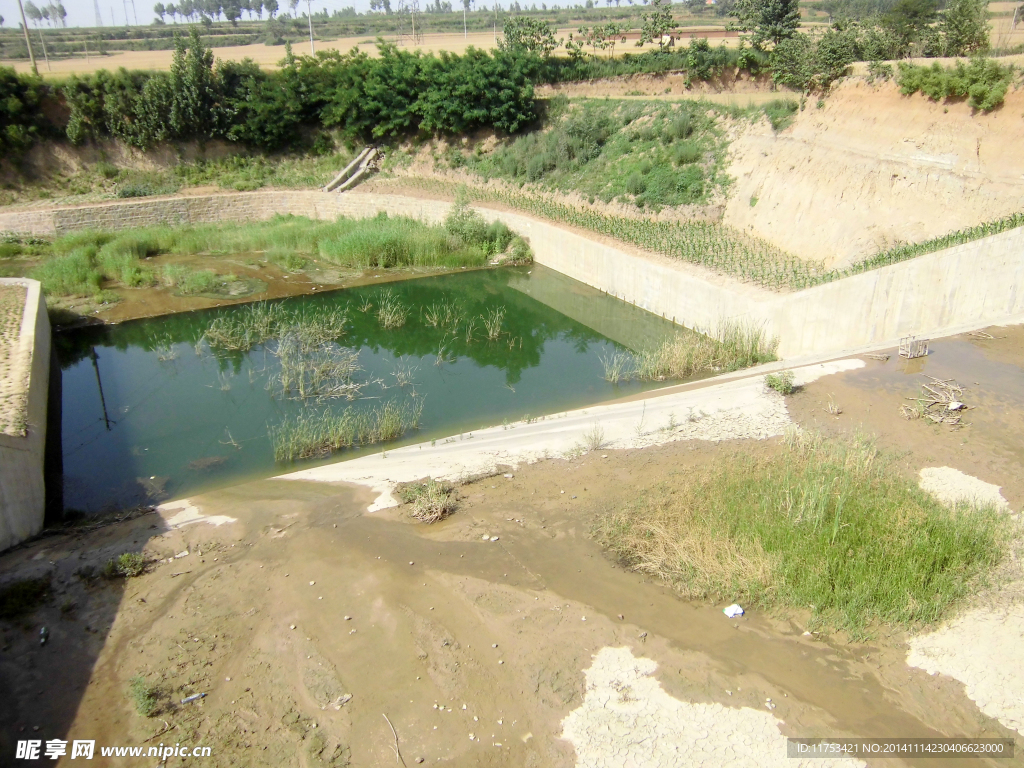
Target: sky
{"x": 81, "y": 13}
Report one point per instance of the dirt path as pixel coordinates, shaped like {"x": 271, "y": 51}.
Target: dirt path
{"x": 483, "y": 639}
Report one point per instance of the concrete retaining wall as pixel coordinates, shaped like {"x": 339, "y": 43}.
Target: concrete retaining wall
{"x": 22, "y": 497}
{"x": 971, "y": 285}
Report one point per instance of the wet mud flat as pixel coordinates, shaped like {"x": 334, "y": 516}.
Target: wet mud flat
{"x": 989, "y": 442}
{"x": 314, "y": 627}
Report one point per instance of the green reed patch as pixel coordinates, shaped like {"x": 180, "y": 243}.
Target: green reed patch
{"x": 83, "y": 263}
{"x": 732, "y": 347}
{"x": 313, "y": 434}
{"x": 826, "y": 525}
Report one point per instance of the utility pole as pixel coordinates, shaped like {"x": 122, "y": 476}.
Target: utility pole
{"x": 43, "y": 43}
{"x": 99, "y": 19}
{"x": 28, "y": 41}
{"x": 125, "y": 3}
{"x": 135, "y": 14}
{"x": 309, "y": 15}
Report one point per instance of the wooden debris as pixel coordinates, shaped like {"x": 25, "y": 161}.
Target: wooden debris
{"x": 942, "y": 402}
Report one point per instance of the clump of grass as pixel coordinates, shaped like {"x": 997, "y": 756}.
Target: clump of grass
{"x": 127, "y": 564}
{"x": 316, "y": 435}
{"x": 247, "y": 327}
{"x": 311, "y": 370}
{"x": 23, "y": 597}
{"x": 732, "y": 347}
{"x": 391, "y": 312}
{"x": 826, "y": 525}
{"x": 618, "y": 366}
{"x": 492, "y": 320}
{"x": 593, "y": 439}
{"x": 781, "y": 382}
{"x": 145, "y": 697}
{"x": 73, "y": 274}
{"x": 781, "y": 112}
{"x": 431, "y": 501}
{"x": 192, "y": 282}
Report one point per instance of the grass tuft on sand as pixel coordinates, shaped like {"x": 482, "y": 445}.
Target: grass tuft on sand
{"x": 824, "y": 525}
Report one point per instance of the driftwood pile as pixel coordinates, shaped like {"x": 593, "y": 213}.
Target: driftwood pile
{"x": 941, "y": 401}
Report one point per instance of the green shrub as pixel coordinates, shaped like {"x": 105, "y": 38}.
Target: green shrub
{"x": 781, "y": 382}
{"x": 983, "y": 82}
{"x": 127, "y": 565}
{"x": 145, "y": 696}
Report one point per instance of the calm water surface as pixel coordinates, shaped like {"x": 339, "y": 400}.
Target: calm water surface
{"x": 151, "y": 413}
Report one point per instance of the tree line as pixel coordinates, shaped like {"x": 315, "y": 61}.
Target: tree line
{"x": 396, "y": 94}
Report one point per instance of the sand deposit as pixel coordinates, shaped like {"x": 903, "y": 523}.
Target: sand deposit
{"x": 983, "y": 649}
{"x": 952, "y": 487}
{"x": 628, "y": 720}
{"x": 741, "y": 409}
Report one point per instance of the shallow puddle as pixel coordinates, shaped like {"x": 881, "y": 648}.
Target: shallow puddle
{"x": 149, "y": 411}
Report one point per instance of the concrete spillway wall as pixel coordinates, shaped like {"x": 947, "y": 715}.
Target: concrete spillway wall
{"x": 22, "y": 497}
{"x": 970, "y": 285}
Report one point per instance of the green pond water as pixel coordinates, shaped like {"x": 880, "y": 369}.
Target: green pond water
{"x": 149, "y": 414}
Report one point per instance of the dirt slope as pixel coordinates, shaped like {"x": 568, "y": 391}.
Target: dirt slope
{"x": 872, "y": 167}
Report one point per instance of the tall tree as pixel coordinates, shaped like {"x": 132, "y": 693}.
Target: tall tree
{"x": 160, "y": 10}
{"x": 965, "y": 27}
{"x": 768, "y": 21}
{"x": 193, "y": 97}
{"x": 658, "y": 23}
{"x": 33, "y": 12}
{"x": 907, "y": 20}
{"x": 271, "y": 7}
{"x": 522, "y": 34}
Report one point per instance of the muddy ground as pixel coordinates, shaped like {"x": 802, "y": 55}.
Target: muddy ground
{"x": 315, "y": 628}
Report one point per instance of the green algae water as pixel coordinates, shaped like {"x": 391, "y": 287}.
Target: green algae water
{"x": 150, "y": 412}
